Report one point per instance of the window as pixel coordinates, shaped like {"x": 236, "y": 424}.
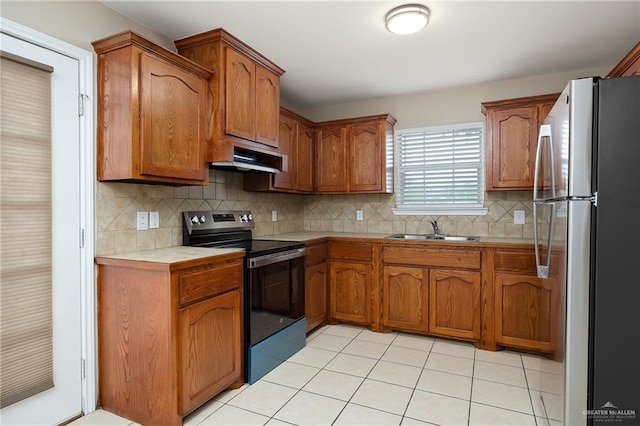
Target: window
{"x": 441, "y": 170}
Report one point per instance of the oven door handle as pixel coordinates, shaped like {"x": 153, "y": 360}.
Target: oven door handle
{"x": 257, "y": 262}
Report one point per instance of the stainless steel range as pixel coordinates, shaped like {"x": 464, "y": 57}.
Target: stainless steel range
{"x": 275, "y": 325}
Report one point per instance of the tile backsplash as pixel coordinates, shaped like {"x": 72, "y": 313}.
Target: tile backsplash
{"x": 338, "y": 213}
{"x": 117, "y": 204}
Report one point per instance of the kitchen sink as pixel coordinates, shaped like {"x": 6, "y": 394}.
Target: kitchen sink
{"x": 427, "y": 237}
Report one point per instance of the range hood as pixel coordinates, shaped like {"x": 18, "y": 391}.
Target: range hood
{"x": 244, "y": 161}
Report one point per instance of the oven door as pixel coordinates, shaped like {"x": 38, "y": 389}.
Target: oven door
{"x": 275, "y": 293}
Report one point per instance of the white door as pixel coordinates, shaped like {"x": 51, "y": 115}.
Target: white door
{"x": 64, "y": 400}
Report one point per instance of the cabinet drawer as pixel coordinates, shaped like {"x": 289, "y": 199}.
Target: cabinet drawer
{"x": 316, "y": 253}
{"x": 521, "y": 261}
{"x": 351, "y": 251}
{"x": 466, "y": 259}
{"x": 202, "y": 284}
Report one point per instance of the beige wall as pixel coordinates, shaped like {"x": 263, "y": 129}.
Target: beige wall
{"x": 449, "y": 106}
{"x": 75, "y": 22}
{"x": 440, "y": 107}
{"x": 81, "y": 22}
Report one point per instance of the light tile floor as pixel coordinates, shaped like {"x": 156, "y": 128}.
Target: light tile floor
{"x": 348, "y": 375}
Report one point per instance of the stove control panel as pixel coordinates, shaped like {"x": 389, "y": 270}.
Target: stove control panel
{"x": 224, "y": 217}
{"x": 213, "y": 220}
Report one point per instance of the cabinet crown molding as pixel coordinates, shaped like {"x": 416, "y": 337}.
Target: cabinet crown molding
{"x": 221, "y": 35}
{"x": 130, "y": 38}
{"x": 517, "y": 102}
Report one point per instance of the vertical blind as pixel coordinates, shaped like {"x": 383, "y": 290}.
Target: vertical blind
{"x": 26, "y": 333}
{"x": 441, "y": 168}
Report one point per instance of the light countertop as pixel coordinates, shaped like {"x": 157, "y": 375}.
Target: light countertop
{"x": 173, "y": 254}
{"x": 313, "y": 235}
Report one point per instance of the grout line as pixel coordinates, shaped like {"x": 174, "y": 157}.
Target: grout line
{"x": 473, "y": 370}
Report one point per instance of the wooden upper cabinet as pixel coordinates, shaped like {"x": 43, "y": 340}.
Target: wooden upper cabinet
{"x": 355, "y": 155}
{"x": 267, "y": 106}
{"x": 364, "y": 157}
{"x": 240, "y": 95}
{"x": 295, "y": 138}
{"x": 152, "y": 113}
{"x": 252, "y": 100}
{"x": 331, "y": 159}
{"x": 629, "y": 65}
{"x": 244, "y": 114}
{"x": 304, "y": 158}
{"x": 512, "y": 127}
{"x": 288, "y": 137}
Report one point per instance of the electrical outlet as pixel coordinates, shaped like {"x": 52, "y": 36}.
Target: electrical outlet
{"x": 518, "y": 217}
{"x": 154, "y": 220}
{"x": 274, "y": 215}
{"x": 359, "y": 215}
{"x": 143, "y": 221}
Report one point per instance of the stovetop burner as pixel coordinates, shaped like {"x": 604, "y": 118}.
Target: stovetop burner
{"x": 229, "y": 229}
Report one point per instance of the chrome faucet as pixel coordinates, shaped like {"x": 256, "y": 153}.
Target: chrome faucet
{"x": 434, "y": 224}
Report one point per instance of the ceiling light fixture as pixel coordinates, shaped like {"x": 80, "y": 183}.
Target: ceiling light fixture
{"x": 407, "y": 19}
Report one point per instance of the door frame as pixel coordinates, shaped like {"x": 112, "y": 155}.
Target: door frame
{"x": 86, "y": 71}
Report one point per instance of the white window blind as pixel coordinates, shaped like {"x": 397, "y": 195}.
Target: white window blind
{"x": 441, "y": 170}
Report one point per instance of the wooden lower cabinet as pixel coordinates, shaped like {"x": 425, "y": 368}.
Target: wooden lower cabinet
{"x": 208, "y": 362}
{"x": 526, "y": 308}
{"x": 169, "y": 334}
{"x": 316, "y": 293}
{"x": 454, "y": 303}
{"x": 405, "y": 298}
{"x": 350, "y": 292}
{"x": 316, "y": 289}
{"x": 490, "y": 296}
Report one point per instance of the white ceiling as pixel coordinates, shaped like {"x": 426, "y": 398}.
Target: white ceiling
{"x": 339, "y": 51}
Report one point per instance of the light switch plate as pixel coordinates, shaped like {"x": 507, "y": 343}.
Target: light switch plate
{"x": 518, "y": 217}
{"x": 142, "y": 221}
{"x": 359, "y": 215}
{"x": 154, "y": 220}
{"x": 274, "y": 215}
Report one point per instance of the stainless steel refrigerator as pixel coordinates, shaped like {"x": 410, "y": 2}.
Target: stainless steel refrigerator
{"x": 587, "y": 214}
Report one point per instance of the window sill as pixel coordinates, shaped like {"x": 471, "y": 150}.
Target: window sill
{"x": 439, "y": 211}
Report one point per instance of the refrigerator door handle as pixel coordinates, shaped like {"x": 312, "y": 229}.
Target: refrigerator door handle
{"x": 545, "y": 132}
{"x": 543, "y": 268}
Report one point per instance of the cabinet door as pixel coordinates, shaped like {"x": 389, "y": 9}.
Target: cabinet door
{"x": 305, "y": 160}
{"x": 454, "y": 303}
{"x": 240, "y": 95}
{"x": 316, "y": 303}
{"x": 365, "y": 158}
{"x": 405, "y": 300}
{"x": 525, "y": 311}
{"x": 210, "y": 348}
{"x": 172, "y": 130}
{"x": 288, "y": 133}
{"x": 331, "y": 153}
{"x": 513, "y": 139}
{"x": 350, "y": 292}
{"x": 267, "y": 106}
